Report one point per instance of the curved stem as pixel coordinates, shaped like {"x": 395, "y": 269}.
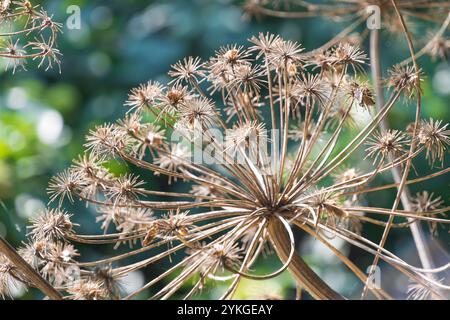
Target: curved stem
{"x": 303, "y": 274}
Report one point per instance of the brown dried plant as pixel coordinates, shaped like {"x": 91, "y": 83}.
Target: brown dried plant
{"x": 379, "y": 15}
{"x": 251, "y": 187}
{"x": 28, "y": 32}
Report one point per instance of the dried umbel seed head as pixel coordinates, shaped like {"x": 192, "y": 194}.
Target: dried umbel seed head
{"x": 439, "y": 47}
{"x": 125, "y": 189}
{"x": 88, "y": 166}
{"x": 15, "y": 50}
{"x": 382, "y": 145}
{"x": 245, "y": 136}
{"x": 34, "y": 252}
{"x": 361, "y": 94}
{"x": 63, "y": 186}
{"x": 428, "y": 204}
{"x": 264, "y": 44}
{"x": 90, "y": 177}
{"x": 229, "y": 56}
{"x": 130, "y": 222}
{"x": 51, "y": 225}
{"x": 154, "y": 136}
{"x": 405, "y": 79}
{"x": 218, "y": 257}
{"x": 327, "y": 207}
{"x": 187, "y": 71}
{"x": 435, "y": 136}
{"x": 149, "y": 138}
{"x": 104, "y": 276}
{"x": 57, "y": 264}
{"x": 261, "y": 188}
{"x": 174, "y": 97}
{"x": 10, "y": 279}
{"x": 285, "y": 54}
{"x": 207, "y": 190}
{"x": 133, "y": 221}
{"x": 104, "y": 140}
{"x": 131, "y": 124}
{"x": 48, "y": 53}
{"x": 87, "y": 290}
{"x": 309, "y": 88}
{"x": 144, "y": 96}
{"x": 174, "y": 224}
{"x": 176, "y": 159}
{"x": 247, "y": 78}
{"x": 425, "y": 202}
{"x": 346, "y": 54}
{"x": 198, "y": 113}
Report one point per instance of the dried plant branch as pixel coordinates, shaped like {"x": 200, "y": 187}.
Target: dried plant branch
{"x": 308, "y": 279}
{"x": 27, "y": 271}
{"x": 418, "y": 236}
{"x": 224, "y": 127}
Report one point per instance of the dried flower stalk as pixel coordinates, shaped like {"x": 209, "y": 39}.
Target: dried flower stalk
{"x": 252, "y": 185}
{"x": 437, "y": 47}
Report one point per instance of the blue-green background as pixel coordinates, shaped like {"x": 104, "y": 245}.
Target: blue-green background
{"x": 124, "y": 43}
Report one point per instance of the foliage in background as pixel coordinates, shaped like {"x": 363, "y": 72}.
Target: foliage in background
{"x": 44, "y": 116}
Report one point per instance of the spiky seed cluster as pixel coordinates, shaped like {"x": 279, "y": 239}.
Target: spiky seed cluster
{"x": 404, "y": 78}
{"x": 187, "y": 71}
{"x": 87, "y": 290}
{"x": 52, "y": 224}
{"x": 217, "y": 257}
{"x": 242, "y": 196}
{"x": 10, "y": 278}
{"x": 428, "y": 204}
{"x": 28, "y": 33}
{"x": 361, "y": 94}
{"x": 435, "y": 137}
{"x": 439, "y": 47}
{"x": 392, "y": 143}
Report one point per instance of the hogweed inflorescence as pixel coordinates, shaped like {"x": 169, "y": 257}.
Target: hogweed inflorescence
{"x": 250, "y": 184}
{"x": 406, "y": 19}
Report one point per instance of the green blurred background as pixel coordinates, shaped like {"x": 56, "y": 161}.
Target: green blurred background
{"x": 44, "y": 116}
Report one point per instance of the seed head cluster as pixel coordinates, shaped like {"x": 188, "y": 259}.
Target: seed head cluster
{"x": 246, "y": 200}
{"x": 276, "y": 128}
{"x": 28, "y": 33}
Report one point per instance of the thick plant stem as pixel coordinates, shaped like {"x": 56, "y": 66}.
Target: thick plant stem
{"x": 302, "y": 273}
{"x": 27, "y": 271}
{"x": 416, "y": 230}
